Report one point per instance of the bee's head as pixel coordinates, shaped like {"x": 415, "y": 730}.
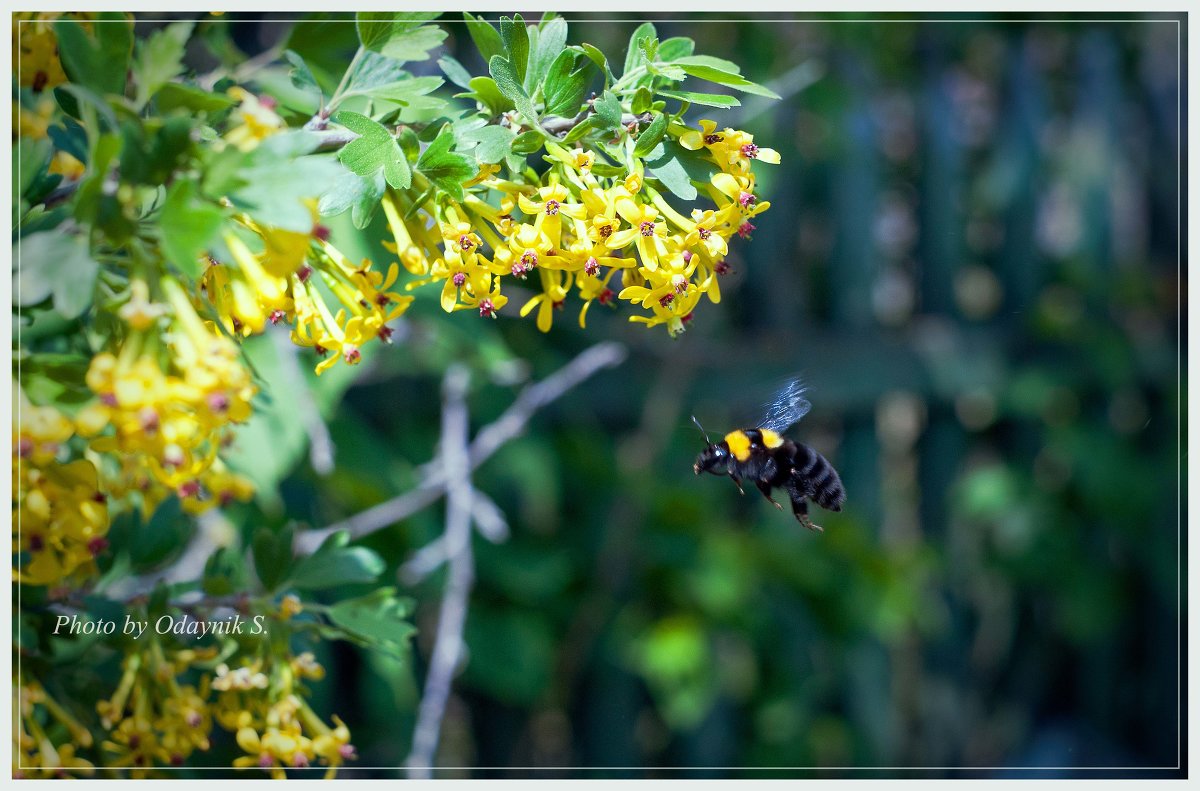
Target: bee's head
{"x": 714, "y": 459}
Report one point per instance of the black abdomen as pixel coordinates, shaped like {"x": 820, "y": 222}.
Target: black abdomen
{"x": 818, "y": 479}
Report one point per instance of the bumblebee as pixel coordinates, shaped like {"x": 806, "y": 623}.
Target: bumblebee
{"x": 765, "y": 456}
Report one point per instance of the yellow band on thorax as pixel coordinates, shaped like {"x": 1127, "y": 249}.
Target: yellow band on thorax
{"x": 739, "y": 444}
{"x": 770, "y": 438}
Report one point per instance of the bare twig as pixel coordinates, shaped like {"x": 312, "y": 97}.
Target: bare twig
{"x": 489, "y": 439}
{"x": 448, "y": 641}
{"x": 320, "y": 444}
{"x": 559, "y": 125}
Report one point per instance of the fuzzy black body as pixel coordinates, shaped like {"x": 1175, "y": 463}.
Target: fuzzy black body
{"x": 773, "y": 462}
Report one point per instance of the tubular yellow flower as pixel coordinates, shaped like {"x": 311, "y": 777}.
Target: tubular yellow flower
{"x": 35, "y": 51}
{"x": 257, "y": 118}
{"x": 555, "y": 287}
{"x": 34, "y": 753}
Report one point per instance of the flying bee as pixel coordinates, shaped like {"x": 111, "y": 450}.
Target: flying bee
{"x": 765, "y": 456}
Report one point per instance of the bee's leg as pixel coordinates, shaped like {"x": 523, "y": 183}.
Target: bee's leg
{"x": 737, "y": 482}
{"x": 765, "y": 488}
{"x": 799, "y": 505}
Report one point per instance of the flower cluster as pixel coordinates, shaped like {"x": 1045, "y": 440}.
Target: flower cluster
{"x": 167, "y": 401}
{"x": 35, "y": 49}
{"x": 60, "y": 516}
{"x": 36, "y": 716}
{"x": 575, "y": 230}
{"x": 152, "y": 718}
{"x": 261, "y": 702}
{"x": 294, "y": 278}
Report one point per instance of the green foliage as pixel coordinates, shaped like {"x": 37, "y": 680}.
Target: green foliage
{"x": 335, "y": 565}
{"x": 445, "y": 169}
{"x": 399, "y": 36}
{"x": 378, "y": 621}
{"x": 99, "y": 61}
{"x": 188, "y": 225}
{"x": 58, "y": 266}
{"x": 375, "y": 149}
{"x": 159, "y": 59}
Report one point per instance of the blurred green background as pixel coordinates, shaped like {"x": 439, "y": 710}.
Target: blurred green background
{"x": 972, "y": 258}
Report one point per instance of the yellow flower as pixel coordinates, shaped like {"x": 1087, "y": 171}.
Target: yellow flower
{"x": 703, "y": 235}
{"x": 257, "y": 117}
{"x": 33, "y": 124}
{"x": 549, "y": 209}
{"x": 35, "y": 51}
{"x": 34, "y": 752}
{"x": 555, "y": 287}
{"x": 647, "y": 231}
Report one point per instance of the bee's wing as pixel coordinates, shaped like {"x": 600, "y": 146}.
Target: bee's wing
{"x": 786, "y": 408}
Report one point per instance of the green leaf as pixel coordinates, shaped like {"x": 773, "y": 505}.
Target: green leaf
{"x": 55, "y": 378}
{"x": 272, "y": 555}
{"x": 277, "y": 179}
{"x": 224, "y": 572}
{"x": 150, "y": 155}
{"x": 300, "y": 74}
{"x": 516, "y": 45}
{"x": 446, "y": 169}
{"x": 551, "y": 44}
{"x": 486, "y": 92}
{"x": 29, "y": 161}
{"x": 564, "y": 88}
{"x": 597, "y": 57}
{"x": 70, "y": 137}
{"x": 325, "y": 42}
{"x": 359, "y": 194}
{"x": 92, "y": 204}
{"x": 53, "y": 263}
{"x": 509, "y": 84}
{"x": 677, "y": 168}
{"x": 706, "y": 99}
{"x": 650, "y": 136}
{"x": 152, "y": 543}
{"x": 175, "y": 96}
{"x": 160, "y": 59}
{"x": 402, "y": 92}
{"x": 708, "y": 60}
{"x": 375, "y": 148}
{"x": 409, "y": 143}
{"x": 608, "y": 111}
{"x": 378, "y": 621}
{"x": 675, "y": 48}
{"x": 731, "y": 79}
{"x": 527, "y": 142}
{"x": 334, "y": 564}
{"x": 401, "y": 36}
{"x": 634, "y": 54}
{"x": 99, "y": 63}
{"x": 580, "y": 129}
{"x": 495, "y": 143}
{"x": 642, "y": 101}
{"x": 187, "y": 226}
{"x": 455, "y": 71}
{"x": 272, "y": 442}
{"x": 487, "y": 39}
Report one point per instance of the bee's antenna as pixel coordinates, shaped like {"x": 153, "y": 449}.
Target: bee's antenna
{"x": 702, "y": 431}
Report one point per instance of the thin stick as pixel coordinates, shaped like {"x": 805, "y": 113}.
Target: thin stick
{"x": 448, "y": 642}
{"x": 489, "y": 439}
